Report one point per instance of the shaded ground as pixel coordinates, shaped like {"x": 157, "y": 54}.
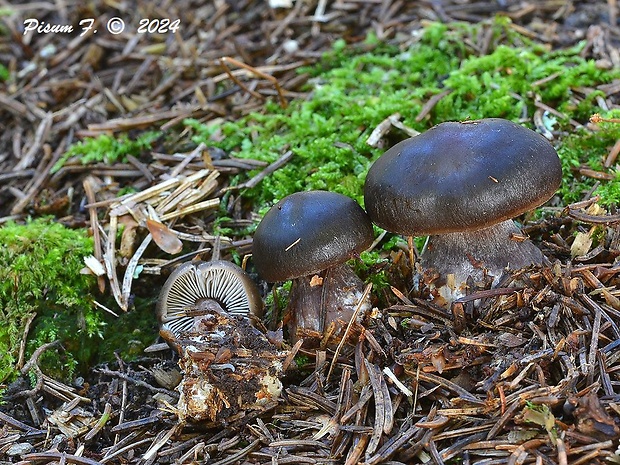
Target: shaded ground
{"x": 527, "y": 375}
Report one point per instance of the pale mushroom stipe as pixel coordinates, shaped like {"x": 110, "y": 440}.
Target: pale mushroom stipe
{"x": 308, "y": 237}
{"x": 461, "y": 184}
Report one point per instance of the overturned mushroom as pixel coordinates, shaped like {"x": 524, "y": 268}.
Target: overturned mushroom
{"x": 460, "y": 184}
{"x": 228, "y": 365}
{"x": 308, "y": 237}
{"x": 196, "y": 287}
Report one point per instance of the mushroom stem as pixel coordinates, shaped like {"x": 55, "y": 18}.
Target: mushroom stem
{"x": 476, "y": 253}
{"x": 317, "y": 300}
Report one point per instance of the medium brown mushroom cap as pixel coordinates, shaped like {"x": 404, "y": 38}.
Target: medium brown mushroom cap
{"x": 307, "y": 232}
{"x": 461, "y": 176}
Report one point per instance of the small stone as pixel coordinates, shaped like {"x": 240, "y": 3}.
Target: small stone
{"x": 281, "y": 3}
{"x": 290, "y": 46}
{"x": 19, "y": 449}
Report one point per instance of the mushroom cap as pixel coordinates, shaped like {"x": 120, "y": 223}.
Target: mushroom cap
{"x": 461, "y": 176}
{"x": 220, "y": 281}
{"x": 307, "y": 232}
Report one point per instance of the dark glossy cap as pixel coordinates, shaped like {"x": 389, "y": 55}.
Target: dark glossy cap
{"x": 307, "y": 232}
{"x": 461, "y": 176}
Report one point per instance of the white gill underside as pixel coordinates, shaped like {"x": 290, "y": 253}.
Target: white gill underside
{"x": 203, "y": 282}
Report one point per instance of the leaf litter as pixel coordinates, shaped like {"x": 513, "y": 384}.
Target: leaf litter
{"x": 514, "y": 374}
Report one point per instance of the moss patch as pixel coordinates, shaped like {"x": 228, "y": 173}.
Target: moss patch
{"x": 107, "y": 149}
{"x": 589, "y": 149}
{"x": 353, "y": 92}
{"x": 40, "y": 266}
{"x": 130, "y": 333}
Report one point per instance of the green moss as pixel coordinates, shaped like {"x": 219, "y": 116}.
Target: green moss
{"x": 126, "y": 190}
{"x": 367, "y": 267}
{"x": 379, "y": 279}
{"x": 108, "y": 149}
{"x": 40, "y": 265}
{"x": 40, "y": 275}
{"x": 277, "y": 299}
{"x": 610, "y": 190}
{"x": 500, "y": 84}
{"x": 4, "y": 73}
{"x": 352, "y": 91}
{"x": 589, "y": 149}
{"x": 130, "y": 333}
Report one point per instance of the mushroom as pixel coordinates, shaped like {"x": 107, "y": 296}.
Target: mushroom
{"x": 228, "y": 365}
{"x": 197, "y": 288}
{"x": 308, "y": 237}
{"x": 461, "y": 184}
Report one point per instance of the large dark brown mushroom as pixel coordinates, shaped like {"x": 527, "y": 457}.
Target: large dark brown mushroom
{"x": 195, "y": 289}
{"x": 461, "y": 184}
{"x": 308, "y": 237}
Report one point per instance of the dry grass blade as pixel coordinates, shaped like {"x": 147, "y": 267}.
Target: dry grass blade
{"x": 109, "y": 260}
{"x": 58, "y": 456}
{"x": 89, "y": 189}
{"x": 348, "y": 329}
{"x": 279, "y": 163}
{"x": 159, "y": 442}
{"x": 381, "y": 130}
{"x": 384, "y": 417}
{"x": 257, "y": 72}
{"x": 380, "y": 402}
{"x": 40, "y": 136}
{"x": 41, "y": 176}
{"x": 364, "y": 397}
{"x": 15, "y": 423}
{"x": 130, "y": 271}
{"x": 465, "y": 395}
{"x": 170, "y": 199}
{"x": 393, "y": 446}
{"x": 243, "y": 453}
